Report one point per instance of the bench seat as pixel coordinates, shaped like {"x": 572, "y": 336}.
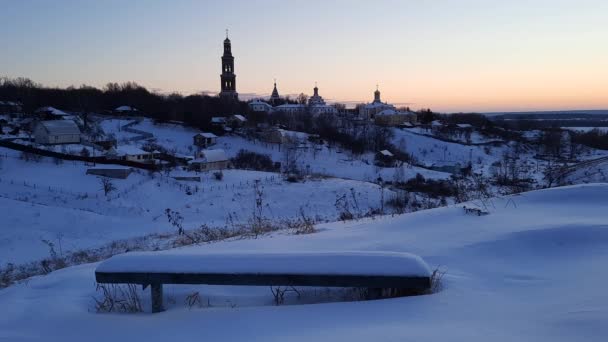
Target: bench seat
{"x": 320, "y": 269}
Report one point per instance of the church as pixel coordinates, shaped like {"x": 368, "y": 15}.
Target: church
{"x": 384, "y": 114}
{"x": 316, "y": 105}
{"x": 379, "y": 112}
{"x": 228, "y": 78}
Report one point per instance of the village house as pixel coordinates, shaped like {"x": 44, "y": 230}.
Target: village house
{"x": 130, "y": 153}
{"x": 125, "y": 110}
{"x": 204, "y": 139}
{"x": 10, "y": 107}
{"x": 209, "y": 160}
{"x": 51, "y": 113}
{"x": 218, "y": 121}
{"x": 385, "y": 158}
{"x": 56, "y": 132}
{"x": 237, "y": 120}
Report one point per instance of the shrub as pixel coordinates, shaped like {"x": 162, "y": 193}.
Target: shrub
{"x": 219, "y": 175}
{"x": 254, "y": 161}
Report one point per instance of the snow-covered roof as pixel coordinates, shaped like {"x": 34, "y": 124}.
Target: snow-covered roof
{"x": 464, "y": 125}
{"x": 125, "y": 109}
{"x": 374, "y": 105}
{"x": 436, "y": 123}
{"x": 218, "y": 119}
{"x": 51, "y": 110}
{"x": 123, "y": 150}
{"x": 60, "y": 127}
{"x": 290, "y": 105}
{"x": 210, "y": 156}
{"x": 388, "y": 112}
{"x": 386, "y": 153}
{"x": 10, "y": 103}
{"x": 239, "y": 117}
{"x": 207, "y": 135}
{"x": 296, "y": 134}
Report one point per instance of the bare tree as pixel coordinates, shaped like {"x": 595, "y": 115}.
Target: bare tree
{"x": 107, "y": 186}
{"x": 302, "y": 98}
{"x": 176, "y": 220}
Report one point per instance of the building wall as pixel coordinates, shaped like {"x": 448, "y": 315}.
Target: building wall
{"x": 219, "y": 165}
{"x": 42, "y": 137}
{"x": 137, "y": 157}
{"x": 393, "y": 120}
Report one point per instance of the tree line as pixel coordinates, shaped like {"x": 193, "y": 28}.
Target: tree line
{"x": 195, "y": 110}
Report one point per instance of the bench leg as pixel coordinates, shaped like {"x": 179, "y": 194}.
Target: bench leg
{"x": 157, "y": 297}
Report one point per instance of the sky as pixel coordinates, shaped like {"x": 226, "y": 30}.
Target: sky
{"x": 447, "y": 55}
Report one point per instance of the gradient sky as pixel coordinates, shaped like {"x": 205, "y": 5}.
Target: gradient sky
{"x": 459, "y": 55}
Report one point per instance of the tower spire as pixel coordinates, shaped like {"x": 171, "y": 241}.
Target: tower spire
{"x": 377, "y": 95}
{"x": 228, "y": 78}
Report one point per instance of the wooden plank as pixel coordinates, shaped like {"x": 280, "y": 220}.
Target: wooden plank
{"x": 257, "y": 279}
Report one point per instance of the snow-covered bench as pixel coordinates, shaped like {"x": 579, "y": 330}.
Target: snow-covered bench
{"x": 374, "y": 270}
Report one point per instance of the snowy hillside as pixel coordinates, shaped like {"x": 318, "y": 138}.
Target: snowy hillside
{"x": 61, "y": 204}
{"x": 531, "y": 270}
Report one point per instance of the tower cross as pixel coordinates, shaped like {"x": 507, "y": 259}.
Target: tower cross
{"x": 226, "y": 33}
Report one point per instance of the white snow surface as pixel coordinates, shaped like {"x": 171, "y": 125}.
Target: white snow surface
{"x": 534, "y": 269}
{"x": 310, "y": 263}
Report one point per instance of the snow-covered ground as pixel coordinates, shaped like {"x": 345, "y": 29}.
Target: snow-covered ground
{"x": 531, "y": 270}
{"x": 61, "y": 204}
{"x": 430, "y": 151}
{"x": 333, "y": 162}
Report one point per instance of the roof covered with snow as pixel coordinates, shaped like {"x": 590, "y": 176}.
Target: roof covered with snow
{"x": 210, "y": 156}
{"x": 207, "y": 135}
{"x": 125, "y": 109}
{"x": 10, "y": 103}
{"x": 123, "y": 150}
{"x": 51, "y": 110}
{"x": 239, "y": 117}
{"x": 60, "y": 127}
{"x": 386, "y": 153}
{"x": 290, "y": 106}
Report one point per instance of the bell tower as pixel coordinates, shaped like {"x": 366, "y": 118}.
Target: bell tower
{"x": 228, "y": 78}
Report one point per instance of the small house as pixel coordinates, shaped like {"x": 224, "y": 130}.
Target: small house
{"x": 130, "y": 153}
{"x": 56, "y": 132}
{"x": 10, "y": 107}
{"x": 204, "y": 139}
{"x": 218, "y": 121}
{"x": 125, "y": 110}
{"x": 385, "y": 158}
{"x": 51, "y": 113}
{"x": 237, "y": 120}
{"x": 209, "y": 160}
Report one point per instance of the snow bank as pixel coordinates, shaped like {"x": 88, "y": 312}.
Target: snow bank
{"x": 310, "y": 263}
